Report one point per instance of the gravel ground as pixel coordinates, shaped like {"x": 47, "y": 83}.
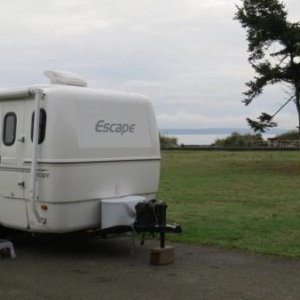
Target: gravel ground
{"x": 69, "y": 268}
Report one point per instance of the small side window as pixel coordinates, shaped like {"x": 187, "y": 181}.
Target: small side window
{"x": 42, "y": 125}
{"x": 9, "y": 129}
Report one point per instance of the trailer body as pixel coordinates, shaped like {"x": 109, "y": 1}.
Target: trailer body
{"x": 74, "y": 158}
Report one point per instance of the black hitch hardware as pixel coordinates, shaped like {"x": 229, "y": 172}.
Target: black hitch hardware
{"x": 151, "y": 218}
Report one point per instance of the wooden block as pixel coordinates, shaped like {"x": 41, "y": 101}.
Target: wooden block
{"x": 162, "y": 256}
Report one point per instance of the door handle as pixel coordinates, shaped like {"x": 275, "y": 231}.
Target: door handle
{"x": 21, "y": 184}
{"x": 21, "y": 139}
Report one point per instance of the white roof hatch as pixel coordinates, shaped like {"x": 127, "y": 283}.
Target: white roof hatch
{"x": 65, "y": 78}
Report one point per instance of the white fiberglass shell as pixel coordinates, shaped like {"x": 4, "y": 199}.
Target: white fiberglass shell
{"x": 98, "y": 145}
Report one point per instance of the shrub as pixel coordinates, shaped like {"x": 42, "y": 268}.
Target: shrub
{"x": 167, "y": 142}
{"x": 290, "y": 135}
{"x": 238, "y": 140}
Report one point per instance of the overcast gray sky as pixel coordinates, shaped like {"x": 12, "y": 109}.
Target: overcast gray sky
{"x": 189, "y": 56}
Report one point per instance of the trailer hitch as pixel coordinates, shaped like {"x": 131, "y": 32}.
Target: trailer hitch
{"x": 151, "y": 218}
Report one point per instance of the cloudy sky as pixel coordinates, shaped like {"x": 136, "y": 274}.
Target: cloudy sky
{"x": 189, "y": 56}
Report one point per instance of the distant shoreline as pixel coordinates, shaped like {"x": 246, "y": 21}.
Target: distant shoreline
{"x": 209, "y": 131}
{"x": 207, "y": 136}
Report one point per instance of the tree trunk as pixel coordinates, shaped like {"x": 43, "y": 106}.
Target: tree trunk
{"x": 297, "y": 101}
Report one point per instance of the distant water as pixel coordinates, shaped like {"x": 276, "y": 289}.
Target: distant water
{"x": 204, "y": 136}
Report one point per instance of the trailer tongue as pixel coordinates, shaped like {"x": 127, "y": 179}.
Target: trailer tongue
{"x": 135, "y": 213}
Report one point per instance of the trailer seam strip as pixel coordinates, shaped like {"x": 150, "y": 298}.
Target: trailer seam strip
{"x": 92, "y": 161}
{"x": 25, "y": 170}
{"x": 6, "y": 168}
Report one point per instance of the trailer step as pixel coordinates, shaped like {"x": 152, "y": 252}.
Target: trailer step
{"x": 7, "y": 247}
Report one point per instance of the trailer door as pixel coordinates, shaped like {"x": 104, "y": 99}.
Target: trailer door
{"x": 12, "y": 145}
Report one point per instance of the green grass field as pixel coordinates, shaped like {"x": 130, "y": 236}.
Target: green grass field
{"x": 245, "y": 200}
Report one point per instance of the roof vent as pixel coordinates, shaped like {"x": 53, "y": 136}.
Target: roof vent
{"x": 65, "y": 78}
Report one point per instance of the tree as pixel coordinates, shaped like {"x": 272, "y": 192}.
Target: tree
{"x": 274, "y": 47}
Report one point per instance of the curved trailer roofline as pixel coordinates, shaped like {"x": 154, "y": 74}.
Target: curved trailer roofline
{"x": 30, "y": 91}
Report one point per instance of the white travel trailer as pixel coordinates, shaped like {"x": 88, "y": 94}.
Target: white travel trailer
{"x": 74, "y": 158}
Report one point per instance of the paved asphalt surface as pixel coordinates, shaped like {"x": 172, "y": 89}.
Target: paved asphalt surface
{"x": 69, "y": 268}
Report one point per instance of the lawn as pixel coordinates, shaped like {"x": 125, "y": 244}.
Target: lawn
{"x": 246, "y": 200}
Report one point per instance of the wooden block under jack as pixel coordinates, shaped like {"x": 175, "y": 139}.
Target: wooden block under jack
{"x": 162, "y": 256}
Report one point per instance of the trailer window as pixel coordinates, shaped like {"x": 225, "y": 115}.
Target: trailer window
{"x": 42, "y": 126}
{"x": 9, "y": 128}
